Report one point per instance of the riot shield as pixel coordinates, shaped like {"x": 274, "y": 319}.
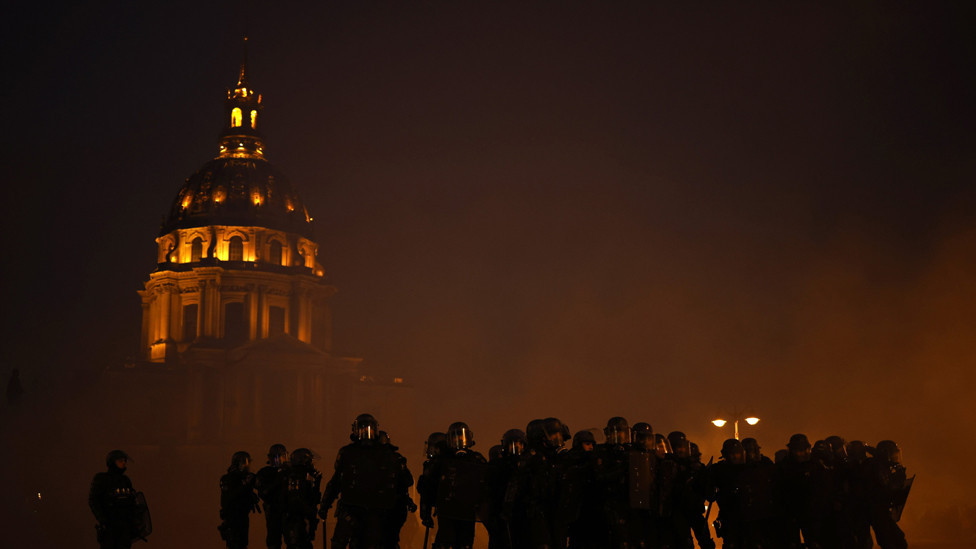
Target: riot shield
{"x": 459, "y": 490}
{"x": 640, "y": 479}
{"x": 666, "y": 482}
{"x": 370, "y": 478}
{"x": 142, "y": 521}
{"x": 898, "y": 502}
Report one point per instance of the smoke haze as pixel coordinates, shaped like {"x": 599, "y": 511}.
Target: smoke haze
{"x": 660, "y": 212}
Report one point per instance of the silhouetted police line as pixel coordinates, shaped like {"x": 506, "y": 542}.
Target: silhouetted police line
{"x": 637, "y": 490}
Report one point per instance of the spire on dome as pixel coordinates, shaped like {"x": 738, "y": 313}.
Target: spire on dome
{"x": 242, "y": 79}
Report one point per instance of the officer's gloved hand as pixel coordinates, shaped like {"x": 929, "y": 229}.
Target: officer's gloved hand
{"x": 324, "y": 512}
{"x": 426, "y": 517}
{"x": 411, "y": 506}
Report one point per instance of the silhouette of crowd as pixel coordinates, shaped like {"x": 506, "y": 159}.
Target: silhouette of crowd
{"x": 543, "y": 488}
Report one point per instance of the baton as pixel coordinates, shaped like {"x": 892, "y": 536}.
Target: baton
{"x": 325, "y": 544}
{"x": 426, "y": 535}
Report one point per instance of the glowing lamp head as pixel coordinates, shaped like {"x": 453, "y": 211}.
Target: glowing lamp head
{"x": 752, "y": 420}
{"x": 719, "y": 422}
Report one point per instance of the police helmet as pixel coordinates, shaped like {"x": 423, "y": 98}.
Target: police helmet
{"x": 435, "y": 444}
{"x": 679, "y": 443}
{"x": 617, "y": 431}
{"x": 513, "y": 442}
{"x": 364, "y": 428}
{"x": 733, "y": 451}
{"x": 277, "y": 454}
{"x": 239, "y": 461}
{"x": 662, "y": 445}
{"x": 798, "y": 442}
{"x": 302, "y": 457}
{"x": 459, "y": 436}
{"x": 857, "y": 450}
{"x": 642, "y": 435}
{"x": 751, "y": 446}
{"x": 887, "y": 449}
{"x": 555, "y": 432}
{"x": 115, "y": 455}
{"x": 837, "y": 446}
{"x": 535, "y": 432}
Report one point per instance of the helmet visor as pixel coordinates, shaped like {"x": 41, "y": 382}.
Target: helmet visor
{"x": 618, "y": 435}
{"x": 459, "y": 439}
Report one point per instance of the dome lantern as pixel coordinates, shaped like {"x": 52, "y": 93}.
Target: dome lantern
{"x": 241, "y": 138}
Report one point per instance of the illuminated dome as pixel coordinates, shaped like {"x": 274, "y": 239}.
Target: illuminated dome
{"x": 244, "y": 191}
{"x": 236, "y": 257}
{"x": 239, "y": 187}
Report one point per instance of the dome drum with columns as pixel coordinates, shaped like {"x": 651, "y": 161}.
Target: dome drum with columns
{"x": 236, "y": 256}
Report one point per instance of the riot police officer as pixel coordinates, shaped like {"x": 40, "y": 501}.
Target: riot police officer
{"x": 759, "y": 500}
{"x": 858, "y": 508}
{"x": 797, "y": 474}
{"x": 579, "y": 500}
{"x": 404, "y": 503}
{"x": 689, "y": 494}
{"x": 665, "y": 511}
{"x": 838, "y": 526}
{"x": 237, "y": 501}
{"x": 270, "y": 485}
{"x": 456, "y": 489}
{"x": 500, "y": 514}
{"x": 584, "y": 441}
{"x": 887, "y": 488}
{"x": 434, "y": 447}
{"x": 371, "y": 482}
{"x": 302, "y": 485}
{"x": 643, "y": 527}
{"x": 535, "y": 485}
{"x": 612, "y": 468}
{"x": 114, "y": 504}
{"x": 725, "y": 476}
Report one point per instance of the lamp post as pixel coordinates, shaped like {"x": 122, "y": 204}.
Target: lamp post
{"x": 736, "y": 416}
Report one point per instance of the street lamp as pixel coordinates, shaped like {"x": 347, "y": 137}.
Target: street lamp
{"x": 736, "y": 416}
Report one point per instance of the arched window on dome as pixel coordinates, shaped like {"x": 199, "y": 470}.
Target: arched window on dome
{"x": 274, "y": 255}
{"x": 254, "y": 120}
{"x": 235, "y": 249}
{"x": 235, "y": 117}
{"x": 196, "y": 249}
